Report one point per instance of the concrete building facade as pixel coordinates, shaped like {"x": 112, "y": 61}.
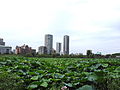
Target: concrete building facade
{"x": 1, "y": 42}
{"x": 42, "y": 50}
{"x": 66, "y": 44}
{"x": 58, "y": 48}
{"x": 4, "y": 49}
{"x": 49, "y": 43}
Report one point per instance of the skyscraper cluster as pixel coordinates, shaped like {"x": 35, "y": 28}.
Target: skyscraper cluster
{"x": 48, "y": 48}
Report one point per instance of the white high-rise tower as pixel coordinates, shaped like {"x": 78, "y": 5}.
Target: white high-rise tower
{"x": 49, "y": 43}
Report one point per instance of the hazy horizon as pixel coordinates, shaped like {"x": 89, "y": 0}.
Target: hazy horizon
{"x": 91, "y": 24}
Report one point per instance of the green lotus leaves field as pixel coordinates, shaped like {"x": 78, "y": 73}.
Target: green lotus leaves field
{"x": 22, "y": 73}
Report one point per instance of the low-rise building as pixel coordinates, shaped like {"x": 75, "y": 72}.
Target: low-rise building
{"x": 1, "y": 42}
{"x": 25, "y": 49}
{"x": 33, "y": 52}
{"x": 42, "y": 50}
{"x": 5, "y": 49}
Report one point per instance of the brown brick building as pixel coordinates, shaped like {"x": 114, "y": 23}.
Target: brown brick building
{"x": 25, "y": 49}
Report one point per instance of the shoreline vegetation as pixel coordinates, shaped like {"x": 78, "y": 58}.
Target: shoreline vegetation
{"x": 54, "y": 55}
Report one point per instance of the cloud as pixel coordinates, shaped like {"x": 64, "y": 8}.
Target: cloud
{"x": 91, "y": 24}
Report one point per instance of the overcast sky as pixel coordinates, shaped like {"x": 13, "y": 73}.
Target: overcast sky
{"x": 91, "y": 24}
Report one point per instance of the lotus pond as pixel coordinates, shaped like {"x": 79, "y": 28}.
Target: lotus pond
{"x": 25, "y": 73}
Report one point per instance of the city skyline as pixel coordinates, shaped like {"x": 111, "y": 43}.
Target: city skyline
{"x": 91, "y": 25}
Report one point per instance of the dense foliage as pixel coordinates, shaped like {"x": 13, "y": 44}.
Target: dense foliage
{"x": 19, "y": 73}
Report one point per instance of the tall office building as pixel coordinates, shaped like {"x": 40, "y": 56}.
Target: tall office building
{"x": 49, "y": 43}
{"x": 58, "y": 48}
{"x": 66, "y": 44}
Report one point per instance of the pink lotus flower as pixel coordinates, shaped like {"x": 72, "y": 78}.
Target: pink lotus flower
{"x": 64, "y": 88}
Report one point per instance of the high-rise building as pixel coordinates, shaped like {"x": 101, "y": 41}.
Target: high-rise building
{"x": 42, "y": 50}
{"x": 49, "y": 43}
{"x": 58, "y": 48}
{"x": 66, "y": 44}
